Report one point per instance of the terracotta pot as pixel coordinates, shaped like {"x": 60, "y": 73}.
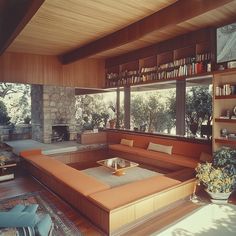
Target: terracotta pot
{"x": 218, "y": 197}
{"x": 112, "y": 124}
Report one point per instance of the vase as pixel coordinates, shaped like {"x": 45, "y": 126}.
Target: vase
{"x": 112, "y": 124}
{"x": 218, "y": 197}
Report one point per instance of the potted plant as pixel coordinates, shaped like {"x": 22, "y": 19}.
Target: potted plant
{"x": 219, "y": 177}
{"x": 112, "y": 123}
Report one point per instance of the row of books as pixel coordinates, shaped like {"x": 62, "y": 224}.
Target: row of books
{"x": 182, "y": 67}
{"x": 133, "y": 78}
{"x": 204, "y": 57}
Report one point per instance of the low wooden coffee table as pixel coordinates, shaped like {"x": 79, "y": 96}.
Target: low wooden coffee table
{"x": 117, "y": 165}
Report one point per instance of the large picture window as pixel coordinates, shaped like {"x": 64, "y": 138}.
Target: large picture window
{"x": 153, "y": 108}
{"x": 198, "y": 109}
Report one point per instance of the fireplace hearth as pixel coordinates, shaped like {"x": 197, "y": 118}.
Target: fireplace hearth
{"x": 60, "y": 133}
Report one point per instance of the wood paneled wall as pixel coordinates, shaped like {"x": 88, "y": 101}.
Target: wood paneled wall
{"x": 40, "y": 69}
{"x": 84, "y": 73}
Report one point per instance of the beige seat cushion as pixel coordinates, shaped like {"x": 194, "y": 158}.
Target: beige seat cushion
{"x": 127, "y": 142}
{"x": 128, "y": 193}
{"x": 160, "y": 148}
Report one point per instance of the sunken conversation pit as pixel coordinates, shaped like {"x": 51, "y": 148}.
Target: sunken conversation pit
{"x": 93, "y": 196}
{"x": 123, "y": 102}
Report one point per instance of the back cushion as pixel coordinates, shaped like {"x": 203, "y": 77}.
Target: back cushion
{"x": 160, "y": 148}
{"x": 127, "y": 142}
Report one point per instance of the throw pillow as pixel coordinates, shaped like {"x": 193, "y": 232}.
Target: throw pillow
{"x": 160, "y": 148}
{"x": 127, "y": 142}
{"x": 20, "y": 219}
{"x": 205, "y": 157}
{"x": 17, "y": 208}
{"x": 32, "y": 208}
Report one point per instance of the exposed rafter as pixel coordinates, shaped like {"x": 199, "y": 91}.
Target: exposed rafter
{"x": 174, "y": 14}
{"x": 14, "y": 15}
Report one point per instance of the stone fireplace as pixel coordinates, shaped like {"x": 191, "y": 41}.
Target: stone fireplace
{"x": 52, "y": 106}
{"x": 60, "y": 133}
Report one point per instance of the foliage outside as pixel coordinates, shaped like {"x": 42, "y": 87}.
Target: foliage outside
{"x": 94, "y": 111}
{"x": 152, "y": 112}
{"x": 17, "y": 101}
{"x": 4, "y": 118}
{"x": 198, "y": 109}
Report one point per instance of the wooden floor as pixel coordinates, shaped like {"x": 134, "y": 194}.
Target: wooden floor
{"x": 25, "y": 184}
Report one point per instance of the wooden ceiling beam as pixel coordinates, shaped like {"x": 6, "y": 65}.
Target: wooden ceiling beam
{"x": 14, "y": 15}
{"x": 174, "y": 14}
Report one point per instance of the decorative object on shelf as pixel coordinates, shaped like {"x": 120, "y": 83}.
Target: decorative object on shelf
{"x": 232, "y": 136}
{"x": 234, "y": 110}
{"x": 219, "y": 177}
{"x": 231, "y": 64}
{"x": 225, "y": 90}
{"x": 233, "y": 89}
{"x": 228, "y": 113}
{"x": 224, "y": 132}
{"x": 221, "y": 67}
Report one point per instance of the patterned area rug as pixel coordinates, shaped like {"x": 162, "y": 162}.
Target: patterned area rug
{"x": 62, "y": 225}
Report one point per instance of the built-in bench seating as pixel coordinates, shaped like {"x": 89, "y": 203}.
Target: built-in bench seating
{"x": 184, "y": 153}
{"x": 174, "y": 159}
{"x": 107, "y": 207}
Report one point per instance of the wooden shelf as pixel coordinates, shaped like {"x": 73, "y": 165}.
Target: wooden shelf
{"x": 225, "y": 120}
{"x": 226, "y": 97}
{"x": 226, "y": 141}
{"x": 161, "y": 80}
{"x": 226, "y": 71}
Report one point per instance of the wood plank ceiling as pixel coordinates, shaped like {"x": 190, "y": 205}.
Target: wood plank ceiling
{"x": 222, "y": 15}
{"x": 60, "y": 26}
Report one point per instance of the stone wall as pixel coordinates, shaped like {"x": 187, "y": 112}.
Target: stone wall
{"x": 52, "y": 105}
{"x": 37, "y": 112}
{"x": 19, "y": 132}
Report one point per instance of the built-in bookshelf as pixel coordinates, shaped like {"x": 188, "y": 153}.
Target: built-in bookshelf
{"x": 224, "y": 112}
{"x": 182, "y": 62}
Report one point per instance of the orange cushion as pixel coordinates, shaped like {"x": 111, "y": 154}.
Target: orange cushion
{"x": 173, "y": 159}
{"x": 116, "y": 197}
{"x": 75, "y": 179}
{"x": 80, "y": 182}
{"x": 49, "y": 164}
{"x": 32, "y": 152}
